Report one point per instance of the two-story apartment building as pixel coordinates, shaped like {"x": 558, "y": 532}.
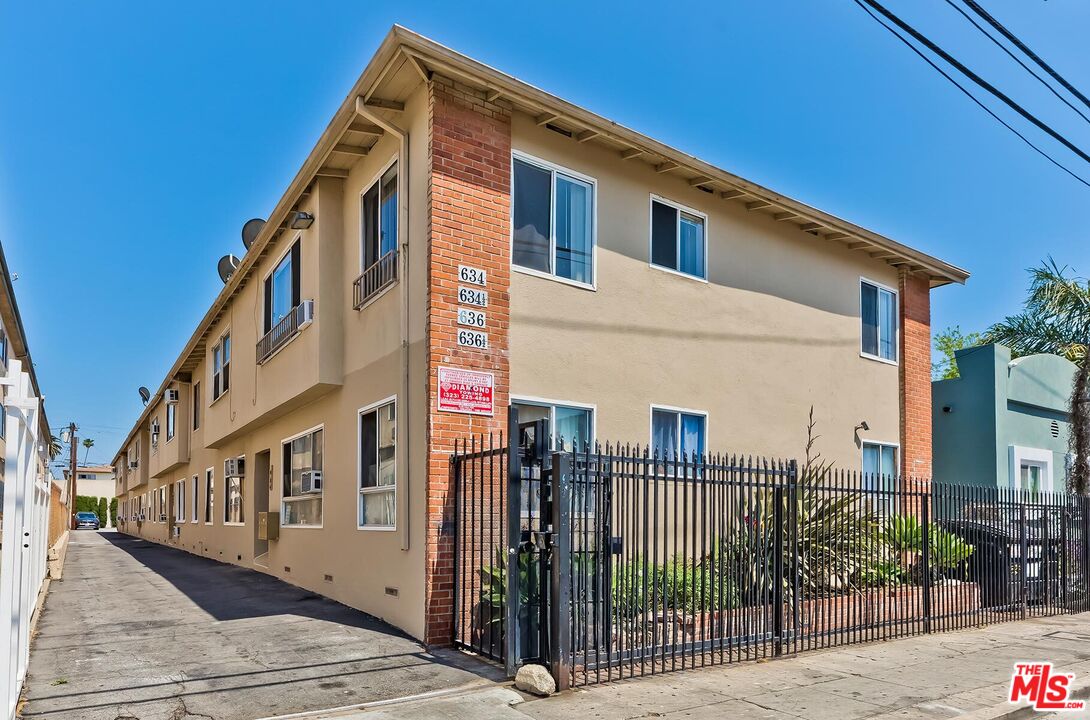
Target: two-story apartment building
{"x": 459, "y": 240}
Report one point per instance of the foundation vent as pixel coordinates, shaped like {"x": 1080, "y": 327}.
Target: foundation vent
{"x": 287, "y": 569}
{"x": 391, "y": 591}
{"x": 329, "y": 578}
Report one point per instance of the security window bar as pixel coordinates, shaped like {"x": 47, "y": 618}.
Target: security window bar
{"x": 378, "y": 238}
{"x": 878, "y": 310}
{"x": 553, "y": 221}
{"x": 285, "y": 330}
{"x": 378, "y": 473}
{"x": 678, "y": 240}
{"x": 221, "y": 367}
{"x": 302, "y": 499}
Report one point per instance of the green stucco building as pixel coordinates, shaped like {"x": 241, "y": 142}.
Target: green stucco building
{"x": 1004, "y": 422}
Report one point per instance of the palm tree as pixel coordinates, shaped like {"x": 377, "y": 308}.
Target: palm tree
{"x": 1056, "y": 319}
{"x": 88, "y": 443}
{"x": 54, "y": 447}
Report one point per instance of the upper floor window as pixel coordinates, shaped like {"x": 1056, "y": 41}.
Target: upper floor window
{"x": 878, "y": 310}
{"x": 155, "y": 433}
{"x": 282, "y": 288}
{"x": 678, "y": 238}
{"x": 221, "y": 366}
{"x": 172, "y": 420}
{"x": 678, "y": 433}
{"x": 553, "y": 220}
{"x": 196, "y": 405}
{"x": 378, "y": 466}
{"x": 378, "y": 218}
{"x": 302, "y": 479}
{"x": 3, "y": 349}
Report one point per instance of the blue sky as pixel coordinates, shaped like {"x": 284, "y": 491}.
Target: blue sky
{"x": 136, "y": 138}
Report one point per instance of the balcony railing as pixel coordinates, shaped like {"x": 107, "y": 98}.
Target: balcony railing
{"x": 298, "y": 318}
{"x": 381, "y": 275}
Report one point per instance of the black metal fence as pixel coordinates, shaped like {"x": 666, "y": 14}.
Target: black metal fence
{"x": 631, "y": 564}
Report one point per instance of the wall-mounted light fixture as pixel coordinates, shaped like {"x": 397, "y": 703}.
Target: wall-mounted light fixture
{"x": 862, "y": 426}
{"x": 301, "y": 220}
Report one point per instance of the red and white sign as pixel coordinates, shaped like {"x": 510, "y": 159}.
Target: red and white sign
{"x": 466, "y": 391}
{"x": 1045, "y": 689}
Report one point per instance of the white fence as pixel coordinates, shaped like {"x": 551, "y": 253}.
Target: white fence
{"x": 25, "y": 533}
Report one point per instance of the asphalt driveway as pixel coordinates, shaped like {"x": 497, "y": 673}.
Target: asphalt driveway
{"x": 138, "y": 630}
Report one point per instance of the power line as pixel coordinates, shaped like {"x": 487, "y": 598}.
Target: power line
{"x": 972, "y": 97}
{"x": 1025, "y": 48}
{"x": 1017, "y": 59}
{"x": 923, "y": 40}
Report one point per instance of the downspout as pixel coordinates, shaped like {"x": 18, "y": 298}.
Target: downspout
{"x": 403, "y": 410}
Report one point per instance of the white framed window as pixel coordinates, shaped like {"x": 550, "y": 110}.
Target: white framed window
{"x": 569, "y": 423}
{"x": 553, "y": 219}
{"x": 678, "y": 432}
{"x": 378, "y": 217}
{"x": 281, "y": 289}
{"x": 160, "y": 516}
{"x": 209, "y": 496}
{"x": 377, "y": 508}
{"x": 155, "y": 434}
{"x": 221, "y": 366}
{"x": 172, "y": 419}
{"x": 302, "y": 481}
{"x": 679, "y": 238}
{"x": 195, "y": 501}
{"x": 179, "y": 501}
{"x": 878, "y": 318}
{"x": 1031, "y": 470}
{"x": 234, "y": 512}
{"x": 197, "y": 405}
{"x": 880, "y": 473}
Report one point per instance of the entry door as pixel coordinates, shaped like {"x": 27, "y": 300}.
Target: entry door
{"x": 262, "y": 488}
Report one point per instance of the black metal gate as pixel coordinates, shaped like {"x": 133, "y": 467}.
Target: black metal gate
{"x": 613, "y": 562}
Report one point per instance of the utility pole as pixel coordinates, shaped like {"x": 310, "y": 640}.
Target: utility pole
{"x": 72, "y": 475}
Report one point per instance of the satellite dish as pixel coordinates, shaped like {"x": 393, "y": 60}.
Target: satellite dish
{"x": 226, "y": 267}
{"x": 251, "y": 230}
{"x": 145, "y": 394}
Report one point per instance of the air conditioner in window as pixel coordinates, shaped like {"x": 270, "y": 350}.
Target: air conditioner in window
{"x": 133, "y": 464}
{"x": 162, "y": 517}
{"x": 141, "y": 517}
{"x": 306, "y": 313}
{"x": 177, "y": 531}
{"x": 234, "y": 467}
{"x": 171, "y": 396}
{"x": 311, "y": 481}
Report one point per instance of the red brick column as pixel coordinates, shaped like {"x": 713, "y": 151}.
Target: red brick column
{"x": 915, "y": 376}
{"x": 469, "y": 201}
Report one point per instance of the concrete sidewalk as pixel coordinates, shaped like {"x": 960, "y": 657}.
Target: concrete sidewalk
{"x": 930, "y": 677}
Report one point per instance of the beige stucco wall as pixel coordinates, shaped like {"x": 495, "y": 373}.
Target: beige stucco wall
{"x": 344, "y": 361}
{"x": 775, "y": 329}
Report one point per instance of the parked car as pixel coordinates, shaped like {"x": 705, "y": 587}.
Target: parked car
{"x": 87, "y": 520}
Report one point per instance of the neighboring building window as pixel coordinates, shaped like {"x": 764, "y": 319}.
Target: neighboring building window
{"x": 232, "y": 504}
{"x": 678, "y": 239}
{"x": 571, "y": 426}
{"x": 553, "y": 220}
{"x": 172, "y": 418}
{"x": 196, "y": 405}
{"x": 209, "y": 496}
{"x": 677, "y": 433}
{"x": 378, "y": 218}
{"x": 196, "y": 499}
{"x": 302, "y": 481}
{"x": 221, "y": 366}
{"x": 179, "y": 501}
{"x": 282, "y": 288}
{"x": 378, "y": 441}
{"x": 878, "y": 309}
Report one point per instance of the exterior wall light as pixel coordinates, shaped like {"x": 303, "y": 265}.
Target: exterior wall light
{"x": 301, "y": 220}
